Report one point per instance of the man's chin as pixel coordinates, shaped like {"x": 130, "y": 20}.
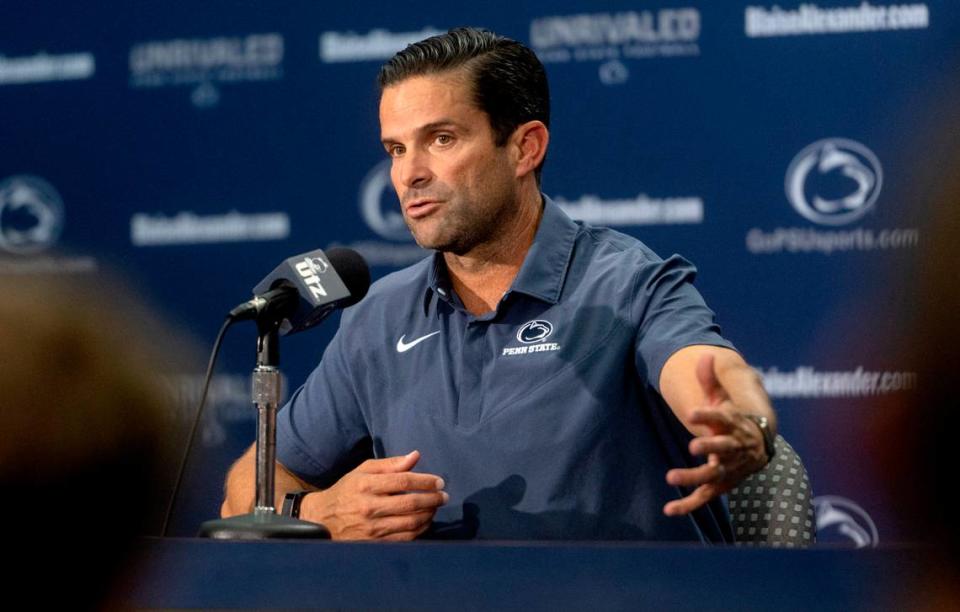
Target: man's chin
{"x": 443, "y": 237}
{"x": 433, "y": 241}
{"x": 427, "y": 243}
{"x": 444, "y": 246}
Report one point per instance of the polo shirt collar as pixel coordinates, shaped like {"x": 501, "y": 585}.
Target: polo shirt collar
{"x": 544, "y": 268}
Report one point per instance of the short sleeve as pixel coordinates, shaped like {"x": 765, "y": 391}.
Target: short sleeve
{"x": 671, "y": 315}
{"x": 321, "y": 432}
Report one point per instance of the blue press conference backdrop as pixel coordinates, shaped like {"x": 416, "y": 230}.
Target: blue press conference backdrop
{"x": 780, "y": 147}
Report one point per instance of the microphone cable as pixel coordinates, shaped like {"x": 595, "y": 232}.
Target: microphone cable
{"x": 196, "y": 423}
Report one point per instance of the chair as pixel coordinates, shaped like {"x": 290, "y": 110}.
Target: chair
{"x": 774, "y": 506}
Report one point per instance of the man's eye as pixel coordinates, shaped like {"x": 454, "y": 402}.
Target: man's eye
{"x": 444, "y": 139}
{"x": 395, "y": 151}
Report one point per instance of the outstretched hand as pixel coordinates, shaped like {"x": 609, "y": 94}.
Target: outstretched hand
{"x": 733, "y": 447}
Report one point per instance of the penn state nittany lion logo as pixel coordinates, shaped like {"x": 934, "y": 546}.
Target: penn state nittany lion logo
{"x": 834, "y": 181}
{"x": 31, "y": 214}
{"x": 841, "y": 520}
{"x": 534, "y": 331}
{"x": 379, "y": 205}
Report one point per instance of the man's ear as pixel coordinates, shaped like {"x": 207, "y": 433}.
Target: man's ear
{"x": 529, "y": 143}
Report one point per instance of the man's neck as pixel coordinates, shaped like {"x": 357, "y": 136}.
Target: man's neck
{"x": 483, "y": 275}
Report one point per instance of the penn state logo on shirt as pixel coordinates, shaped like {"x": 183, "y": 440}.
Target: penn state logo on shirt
{"x": 532, "y": 335}
{"x": 534, "y": 331}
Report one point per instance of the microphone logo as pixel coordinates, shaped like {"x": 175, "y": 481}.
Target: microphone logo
{"x": 310, "y": 269}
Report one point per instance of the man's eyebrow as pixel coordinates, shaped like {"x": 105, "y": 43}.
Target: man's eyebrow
{"x": 428, "y": 127}
{"x": 442, "y": 123}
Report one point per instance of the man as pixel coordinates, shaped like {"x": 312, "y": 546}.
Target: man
{"x": 544, "y": 376}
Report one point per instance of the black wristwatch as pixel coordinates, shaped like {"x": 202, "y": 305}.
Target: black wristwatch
{"x": 768, "y": 437}
{"x": 291, "y": 503}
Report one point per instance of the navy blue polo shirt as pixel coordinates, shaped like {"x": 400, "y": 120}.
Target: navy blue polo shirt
{"x": 543, "y": 416}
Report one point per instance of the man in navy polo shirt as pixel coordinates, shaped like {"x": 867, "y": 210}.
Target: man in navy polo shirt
{"x": 547, "y": 379}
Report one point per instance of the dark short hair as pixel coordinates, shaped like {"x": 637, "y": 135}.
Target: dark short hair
{"x": 509, "y": 82}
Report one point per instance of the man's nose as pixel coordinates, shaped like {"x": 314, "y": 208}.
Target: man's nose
{"x": 414, "y": 169}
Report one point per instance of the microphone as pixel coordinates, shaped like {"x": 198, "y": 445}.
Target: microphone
{"x": 307, "y": 288}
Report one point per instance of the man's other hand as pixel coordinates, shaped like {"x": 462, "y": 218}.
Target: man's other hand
{"x": 380, "y": 499}
{"x": 732, "y": 444}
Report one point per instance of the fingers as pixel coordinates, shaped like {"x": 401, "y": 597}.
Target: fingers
{"x": 401, "y": 528}
{"x": 416, "y": 522}
{"x": 735, "y": 439}
{"x": 387, "y": 484}
{"x": 406, "y": 536}
{"x": 691, "y": 477}
{"x": 411, "y": 503}
{"x": 729, "y": 460}
{"x": 720, "y": 445}
{"x": 717, "y": 420}
{"x": 399, "y": 463}
{"x": 380, "y": 499}
{"x": 700, "y": 496}
{"x": 709, "y": 479}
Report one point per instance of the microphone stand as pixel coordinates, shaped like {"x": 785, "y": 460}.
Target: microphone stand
{"x": 264, "y": 522}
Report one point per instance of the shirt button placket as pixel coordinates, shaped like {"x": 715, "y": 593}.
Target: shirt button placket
{"x": 471, "y": 382}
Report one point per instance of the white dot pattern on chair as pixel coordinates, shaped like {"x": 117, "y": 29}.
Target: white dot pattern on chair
{"x": 774, "y": 507}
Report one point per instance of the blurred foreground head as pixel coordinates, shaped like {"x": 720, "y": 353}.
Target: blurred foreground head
{"x": 914, "y": 436}
{"x": 84, "y": 419}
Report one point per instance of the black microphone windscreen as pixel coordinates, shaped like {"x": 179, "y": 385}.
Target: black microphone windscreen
{"x": 353, "y": 271}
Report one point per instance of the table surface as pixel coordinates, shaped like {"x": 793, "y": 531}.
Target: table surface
{"x": 200, "y": 573}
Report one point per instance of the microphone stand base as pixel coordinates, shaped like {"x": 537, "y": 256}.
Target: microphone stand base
{"x": 262, "y": 527}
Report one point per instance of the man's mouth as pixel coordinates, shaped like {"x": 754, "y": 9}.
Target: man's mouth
{"x": 422, "y": 207}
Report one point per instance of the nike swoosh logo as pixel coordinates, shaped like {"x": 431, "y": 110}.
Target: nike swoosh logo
{"x": 403, "y": 347}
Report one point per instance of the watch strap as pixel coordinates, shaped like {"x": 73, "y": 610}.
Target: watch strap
{"x": 768, "y": 437}
{"x": 291, "y": 503}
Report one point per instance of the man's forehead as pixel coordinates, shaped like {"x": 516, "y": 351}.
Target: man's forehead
{"x": 457, "y": 79}
{"x": 426, "y": 99}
